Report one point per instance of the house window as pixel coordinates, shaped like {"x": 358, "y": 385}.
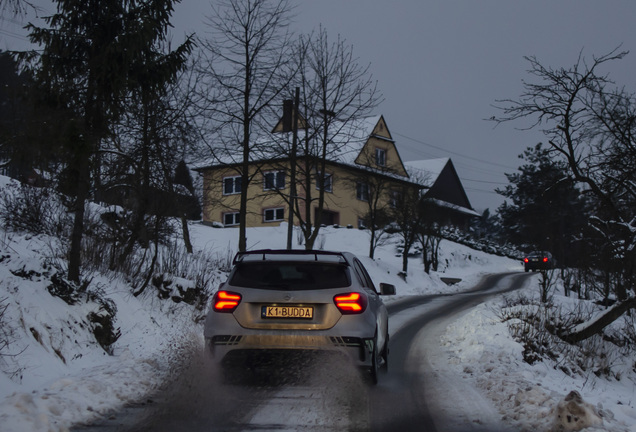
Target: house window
{"x": 274, "y": 214}
{"x": 327, "y": 181}
{"x": 380, "y": 157}
{"x": 362, "y": 191}
{"x": 231, "y": 185}
{"x": 231, "y": 219}
{"x": 361, "y": 223}
{"x": 395, "y": 198}
{"x": 274, "y": 180}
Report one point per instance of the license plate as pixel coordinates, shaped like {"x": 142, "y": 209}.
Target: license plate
{"x": 298, "y": 312}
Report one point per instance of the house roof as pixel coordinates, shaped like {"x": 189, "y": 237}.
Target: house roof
{"x": 426, "y": 172}
{"x": 442, "y": 183}
{"x": 350, "y": 138}
{"x": 347, "y": 142}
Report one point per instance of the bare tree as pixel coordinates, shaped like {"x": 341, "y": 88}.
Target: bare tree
{"x": 244, "y": 68}
{"x": 335, "y": 91}
{"x": 139, "y": 163}
{"x": 429, "y": 234}
{"x": 380, "y": 190}
{"x": 406, "y": 213}
{"x": 591, "y": 124}
{"x": 17, "y": 7}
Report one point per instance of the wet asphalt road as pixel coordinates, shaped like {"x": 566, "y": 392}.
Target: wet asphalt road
{"x": 310, "y": 393}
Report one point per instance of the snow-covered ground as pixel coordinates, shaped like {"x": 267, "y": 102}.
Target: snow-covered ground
{"x": 55, "y": 375}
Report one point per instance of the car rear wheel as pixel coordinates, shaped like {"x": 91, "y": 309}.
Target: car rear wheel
{"x": 385, "y": 354}
{"x": 374, "y": 370}
{"x": 379, "y": 359}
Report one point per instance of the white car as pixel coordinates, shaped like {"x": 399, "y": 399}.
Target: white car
{"x": 279, "y": 300}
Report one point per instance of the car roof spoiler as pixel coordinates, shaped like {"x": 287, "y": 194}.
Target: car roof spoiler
{"x": 293, "y": 254}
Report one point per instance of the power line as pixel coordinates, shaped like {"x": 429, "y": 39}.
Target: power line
{"x": 455, "y": 153}
{"x": 15, "y": 35}
{"x": 481, "y": 191}
{"x": 484, "y": 181}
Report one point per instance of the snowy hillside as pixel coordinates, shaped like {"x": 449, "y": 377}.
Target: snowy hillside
{"x": 55, "y": 373}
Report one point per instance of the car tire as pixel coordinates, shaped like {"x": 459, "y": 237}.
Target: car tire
{"x": 385, "y": 354}
{"x": 374, "y": 369}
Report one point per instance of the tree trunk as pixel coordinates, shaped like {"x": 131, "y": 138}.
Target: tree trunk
{"x": 75, "y": 253}
{"x": 75, "y": 259}
{"x": 597, "y": 324}
{"x": 405, "y": 259}
{"x": 186, "y": 234}
{"x": 372, "y": 242}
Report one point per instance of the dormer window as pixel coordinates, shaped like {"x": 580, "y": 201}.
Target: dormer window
{"x": 380, "y": 157}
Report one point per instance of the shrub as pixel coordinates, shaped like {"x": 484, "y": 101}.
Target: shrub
{"x": 537, "y": 327}
{"x": 36, "y": 210}
{"x": 5, "y": 330}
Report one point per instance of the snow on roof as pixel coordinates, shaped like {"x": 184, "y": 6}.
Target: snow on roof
{"x": 425, "y": 172}
{"x": 455, "y": 207}
{"x": 348, "y": 138}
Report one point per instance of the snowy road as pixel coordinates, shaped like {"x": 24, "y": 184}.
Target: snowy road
{"x": 416, "y": 394}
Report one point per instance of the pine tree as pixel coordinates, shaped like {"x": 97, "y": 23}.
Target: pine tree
{"x": 93, "y": 52}
{"x": 545, "y": 211}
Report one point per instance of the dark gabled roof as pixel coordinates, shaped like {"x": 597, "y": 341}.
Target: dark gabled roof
{"x": 442, "y": 182}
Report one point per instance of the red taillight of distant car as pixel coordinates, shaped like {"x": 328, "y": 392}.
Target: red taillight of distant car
{"x": 350, "y": 303}
{"x": 545, "y": 259}
{"x": 225, "y": 301}
{"x": 525, "y": 260}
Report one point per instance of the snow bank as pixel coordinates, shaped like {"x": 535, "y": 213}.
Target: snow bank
{"x": 58, "y": 375}
{"x": 479, "y": 348}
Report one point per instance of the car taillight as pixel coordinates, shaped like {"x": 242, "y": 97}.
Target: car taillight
{"x": 526, "y": 260}
{"x": 225, "y": 301}
{"x": 351, "y": 303}
{"x": 545, "y": 259}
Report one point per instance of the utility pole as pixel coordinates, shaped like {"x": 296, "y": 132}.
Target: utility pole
{"x": 292, "y": 167}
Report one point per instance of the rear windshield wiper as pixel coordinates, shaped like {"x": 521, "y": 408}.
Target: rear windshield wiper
{"x": 281, "y": 286}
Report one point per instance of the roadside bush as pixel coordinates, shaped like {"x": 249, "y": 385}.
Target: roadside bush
{"x": 35, "y": 210}
{"x": 159, "y": 268}
{"x": 537, "y": 327}
{"x": 5, "y": 331}
{"x": 11, "y": 368}
{"x": 103, "y": 321}
{"x": 203, "y": 270}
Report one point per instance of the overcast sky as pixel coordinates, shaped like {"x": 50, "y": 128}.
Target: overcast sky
{"x": 441, "y": 65}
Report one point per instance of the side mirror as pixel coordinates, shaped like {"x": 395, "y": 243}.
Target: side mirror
{"x": 387, "y": 289}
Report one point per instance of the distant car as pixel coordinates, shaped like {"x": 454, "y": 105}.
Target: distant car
{"x": 538, "y": 260}
{"x": 288, "y": 300}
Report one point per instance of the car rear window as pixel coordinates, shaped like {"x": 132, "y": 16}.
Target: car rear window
{"x": 291, "y": 275}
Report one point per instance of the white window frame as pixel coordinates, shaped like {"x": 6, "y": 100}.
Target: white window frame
{"x": 328, "y": 181}
{"x": 236, "y": 218}
{"x": 276, "y": 179}
{"x": 236, "y": 184}
{"x": 394, "y": 198}
{"x": 361, "y": 224}
{"x": 277, "y": 214}
{"x": 380, "y": 156}
{"x": 363, "y": 195}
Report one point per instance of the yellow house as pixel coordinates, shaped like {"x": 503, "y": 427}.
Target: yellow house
{"x": 363, "y": 168}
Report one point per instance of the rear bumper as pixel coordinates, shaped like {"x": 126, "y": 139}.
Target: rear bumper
{"x": 224, "y": 347}
{"x": 537, "y": 266}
